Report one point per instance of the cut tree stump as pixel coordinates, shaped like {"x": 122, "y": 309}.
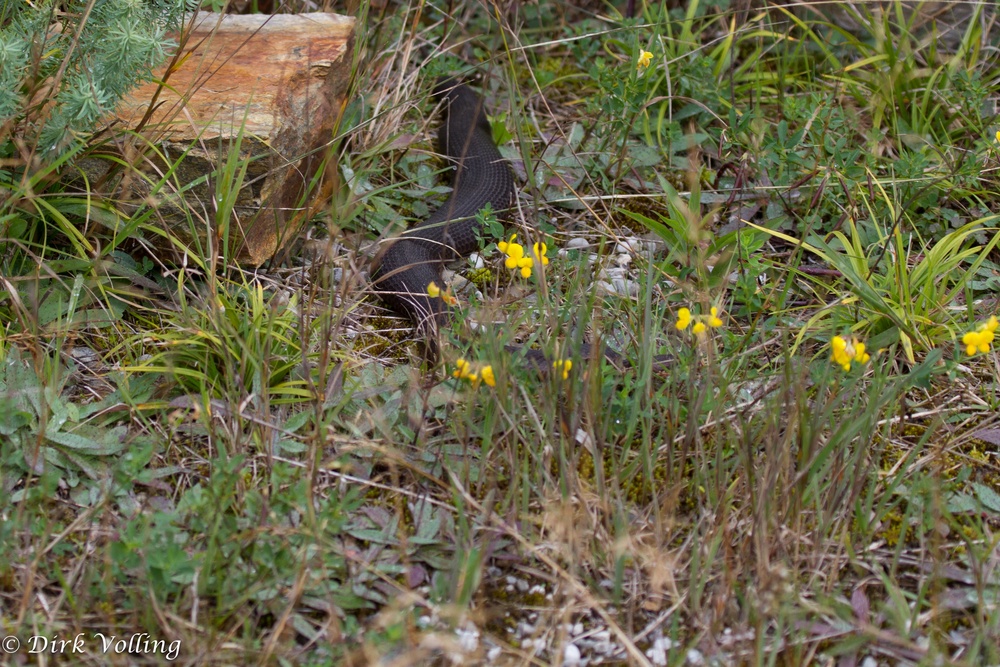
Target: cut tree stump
{"x": 267, "y": 90}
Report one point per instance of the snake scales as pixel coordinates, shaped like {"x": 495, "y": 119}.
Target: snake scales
{"x": 401, "y": 273}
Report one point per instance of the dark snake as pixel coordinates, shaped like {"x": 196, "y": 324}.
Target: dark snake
{"x": 402, "y": 273}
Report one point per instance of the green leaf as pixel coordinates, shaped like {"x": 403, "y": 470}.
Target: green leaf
{"x": 987, "y": 496}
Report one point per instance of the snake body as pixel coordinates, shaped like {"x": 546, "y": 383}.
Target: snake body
{"x": 403, "y": 272}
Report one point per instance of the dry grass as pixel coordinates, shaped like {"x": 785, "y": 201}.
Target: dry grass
{"x": 283, "y": 481}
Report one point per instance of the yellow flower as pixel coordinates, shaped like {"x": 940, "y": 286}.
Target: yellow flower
{"x": 645, "y": 57}
{"x": 516, "y": 259}
{"x": 515, "y": 253}
{"x": 503, "y": 244}
{"x": 433, "y": 291}
{"x": 980, "y": 339}
{"x": 998, "y": 136}
{"x": 563, "y": 366}
{"x": 844, "y": 352}
{"x": 701, "y": 322}
{"x": 540, "y": 249}
{"x": 464, "y": 371}
{"x": 683, "y": 319}
{"x": 461, "y": 368}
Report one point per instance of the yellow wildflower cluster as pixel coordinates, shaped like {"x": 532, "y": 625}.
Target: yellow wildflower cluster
{"x": 645, "y": 57}
{"x": 516, "y": 259}
{"x": 464, "y": 371}
{"x": 563, "y": 367}
{"x": 433, "y": 291}
{"x": 980, "y": 339}
{"x": 701, "y": 322}
{"x": 843, "y": 352}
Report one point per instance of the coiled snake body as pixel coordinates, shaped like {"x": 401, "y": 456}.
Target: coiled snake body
{"x": 403, "y": 272}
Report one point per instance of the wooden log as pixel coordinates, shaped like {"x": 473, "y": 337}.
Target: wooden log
{"x": 268, "y": 88}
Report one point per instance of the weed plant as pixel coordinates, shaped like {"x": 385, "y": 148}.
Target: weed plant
{"x": 783, "y": 217}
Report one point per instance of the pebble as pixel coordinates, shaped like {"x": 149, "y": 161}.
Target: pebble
{"x": 576, "y": 243}
{"x": 605, "y": 647}
{"x": 619, "y": 286}
{"x": 623, "y": 260}
{"x": 695, "y": 657}
{"x": 612, "y": 272}
{"x": 571, "y": 655}
{"x": 468, "y": 638}
{"x": 476, "y": 261}
{"x": 657, "y": 653}
{"x": 630, "y": 245}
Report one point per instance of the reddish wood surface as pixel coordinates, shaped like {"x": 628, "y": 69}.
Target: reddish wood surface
{"x": 282, "y": 79}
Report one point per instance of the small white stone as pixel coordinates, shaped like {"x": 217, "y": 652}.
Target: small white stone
{"x": 695, "y": 657}
{"x": 576, "y": 243}
{"x": 468, "y": 638}
{"x": 593, "y": 258}
{"x": 493, "y": 653}
{"x": 613, "y": 272}
{"x": 571, "y": 655}
{"x": 622, "y": 248}
{"x": 604, "y": 647}
{"x": 476, "y": 261}
{"x": 869, "y": 662}
{"x": 623, "y": 260}
{"x": 577, "y": 629}
{"x": 657, "y": 653}
{"x": 625, "y": 287}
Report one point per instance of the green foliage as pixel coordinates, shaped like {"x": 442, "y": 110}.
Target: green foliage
{"x": 239, "y": 337}
{"x": 45, "y": 433}
{"x": 61, "y": 73}
{"x": 257, "y": 462}
{"x": 901, "y": 301}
